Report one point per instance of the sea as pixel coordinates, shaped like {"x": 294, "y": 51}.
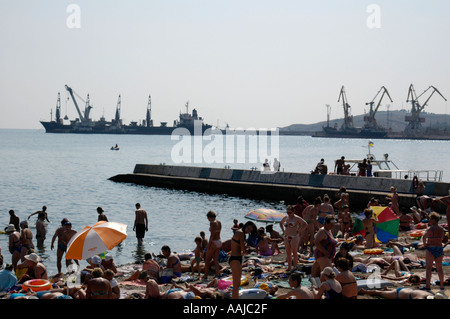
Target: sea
{"x": 69, "y": 174}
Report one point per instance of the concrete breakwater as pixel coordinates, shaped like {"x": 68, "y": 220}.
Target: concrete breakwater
{"x": 286, "y": 186}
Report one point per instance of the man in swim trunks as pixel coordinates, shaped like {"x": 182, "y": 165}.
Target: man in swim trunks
{"x": 432, "y": 241}
{"x": 140, "y": 223}
{"x": 64, "y": 235}
{"x": 14, "y": 219}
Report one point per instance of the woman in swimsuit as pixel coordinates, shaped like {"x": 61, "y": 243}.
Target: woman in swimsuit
{"x": 432, "y": 240}
{"x": 310, "y": 215}
{"x": 26, "y": 239}
{"x": 15, "y": 247}
{"x": 393, "y": 198}
{"x": 329, "y": 287}
{"x": 369, "y": 224}
{"x": 98, "y": 287}
{"x": 235, "y": 260}
{"x": 325, "y": 245}
{"x": 265, "y": 243}
{"x": 325, "y": 209}
{"x": 291, "y": 225}
{"x": 214, "y": 244}
{"x": 346, "y": 279}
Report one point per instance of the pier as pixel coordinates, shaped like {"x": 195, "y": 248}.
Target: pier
{"x": 280, "y": 186}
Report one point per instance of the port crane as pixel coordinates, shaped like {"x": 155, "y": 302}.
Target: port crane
{"x": 88, "y": 107}
{"x": 414, "y": 127}
{"x": 58, "y": 109}
{"x": 149, "y": 121}
{"x": 369, "y": 120}
{"x": 348, "y": 119}
{"x": 118, "y": 108}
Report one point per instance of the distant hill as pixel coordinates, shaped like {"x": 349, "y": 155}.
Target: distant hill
{"x": 394, "y": 120}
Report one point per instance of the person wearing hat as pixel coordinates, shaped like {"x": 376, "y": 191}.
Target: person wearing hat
{"x": 15, "y": 246}
{"x": 108, "y": 263}
{"x": 36, "y": 269}
{"x": 94, "y": 262}
{"x": 101, "y": 215}
{"x": 330, "y": 287}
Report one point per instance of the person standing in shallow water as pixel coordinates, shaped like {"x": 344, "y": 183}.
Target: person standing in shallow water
{"x": 101, "y": 215}
{"x": 140, "y": 223}
{"x": 42, "y": 214}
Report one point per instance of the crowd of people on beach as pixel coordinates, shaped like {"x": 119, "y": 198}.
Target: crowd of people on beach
{"x": 317, "y": 240}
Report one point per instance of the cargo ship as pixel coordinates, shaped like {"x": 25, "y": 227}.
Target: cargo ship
{"x": 85, "y": 125}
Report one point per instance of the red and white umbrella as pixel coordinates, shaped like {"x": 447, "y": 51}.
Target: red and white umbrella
{"x": 95, "y": 240}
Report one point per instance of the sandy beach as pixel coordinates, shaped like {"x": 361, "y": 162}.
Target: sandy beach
{"x": 277, "y": 274}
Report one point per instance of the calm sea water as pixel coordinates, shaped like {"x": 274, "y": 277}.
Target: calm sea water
{"x": 69, "y": 174}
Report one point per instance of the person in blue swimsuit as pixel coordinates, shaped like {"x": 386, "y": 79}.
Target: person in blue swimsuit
{"x": 98, "y": 287}
{"x": 173, "y": 262}
{"x": 433, "y": 243}
{"x": 397, "y": 293}
{"x": 15, "y": 247}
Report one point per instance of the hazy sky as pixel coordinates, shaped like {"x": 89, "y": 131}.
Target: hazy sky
{"x": 249, "y": 63}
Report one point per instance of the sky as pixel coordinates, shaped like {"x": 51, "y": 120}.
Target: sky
{"x": 246, "y": 63}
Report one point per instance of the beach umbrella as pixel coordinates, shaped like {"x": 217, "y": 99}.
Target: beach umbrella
{"x": 387, "y": 227}
{"x": 266, "y": 215}
{"x": 96, "y": 239}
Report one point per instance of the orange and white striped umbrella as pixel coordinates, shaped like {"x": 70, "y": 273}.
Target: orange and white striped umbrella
{"x": 96, "y": 239}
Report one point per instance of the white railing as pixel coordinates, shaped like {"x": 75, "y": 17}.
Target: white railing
{"x": 424, "y": 175}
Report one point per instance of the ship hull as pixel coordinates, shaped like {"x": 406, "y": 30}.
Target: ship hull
{"x": 96, "y": 128}
{"x": 351, "y": 133}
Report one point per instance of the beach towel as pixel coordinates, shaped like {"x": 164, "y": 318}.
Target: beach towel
{"x": 185, "y": 278}
{"x": 282, "y": 283}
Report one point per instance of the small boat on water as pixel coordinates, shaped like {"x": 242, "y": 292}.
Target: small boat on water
{"x": 115, "y": 148}
{"x": 387, "y": 168}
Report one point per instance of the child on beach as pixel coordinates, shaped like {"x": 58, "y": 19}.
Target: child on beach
{"x": 235, "y": 225}
{"x": 198, "y": 255}
{"x": 204, "y": 240}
